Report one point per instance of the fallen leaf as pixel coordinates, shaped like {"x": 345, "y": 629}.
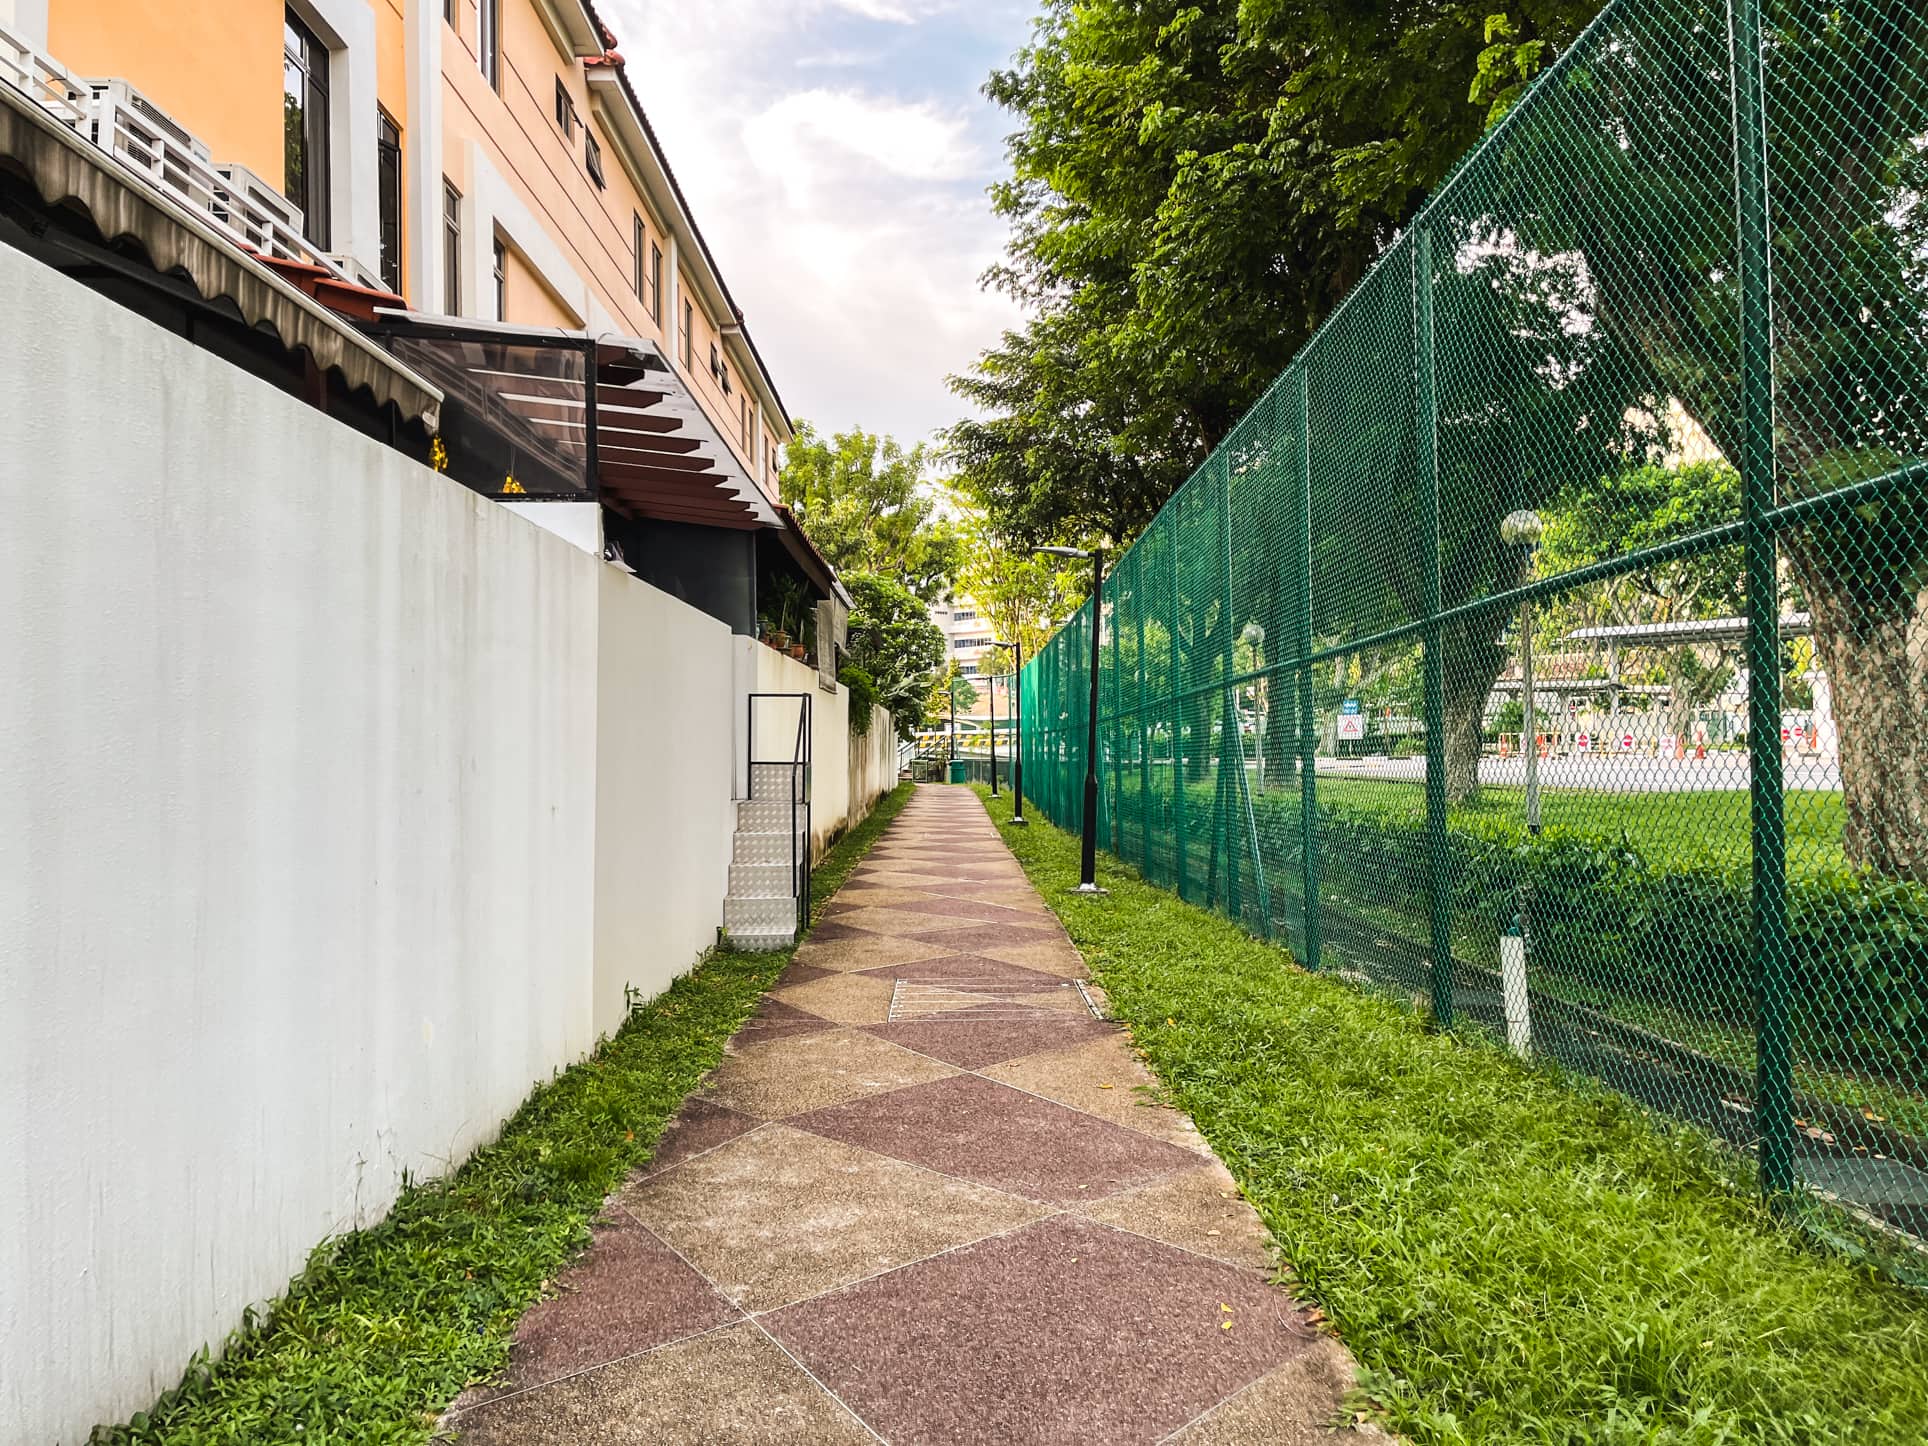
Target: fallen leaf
{"x": 1224, "y": 1325}
{"x": 1871, "y": 1117}
{"x": 1211, "y": 1232}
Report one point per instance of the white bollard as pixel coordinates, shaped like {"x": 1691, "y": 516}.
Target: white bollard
{"x": 1519, "y": 1018}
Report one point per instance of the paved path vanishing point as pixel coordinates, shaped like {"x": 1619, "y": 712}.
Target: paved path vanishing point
{"x": 923, "y": 1200}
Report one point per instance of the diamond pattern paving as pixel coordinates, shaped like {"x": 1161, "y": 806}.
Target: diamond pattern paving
{"x": 926, "y": 1197}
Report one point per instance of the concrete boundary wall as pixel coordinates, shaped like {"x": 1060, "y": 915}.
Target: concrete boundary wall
{"x": 340, "y": 807}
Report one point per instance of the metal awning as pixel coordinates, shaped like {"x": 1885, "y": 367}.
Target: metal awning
{"x": 573, "y": 416}
{"x": 68, "y": 170}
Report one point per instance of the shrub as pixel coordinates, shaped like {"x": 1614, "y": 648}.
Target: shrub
{"x": 863, "y": 697}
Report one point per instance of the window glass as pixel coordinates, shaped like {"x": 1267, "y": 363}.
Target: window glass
{"x": 304, "y": 121}
{"x": 388, "y": 189}
{"x": 592, "y": 158}
{"x": 501, "y": 280}
{"x": 689, "y": 337}
{"x": 451, "y": 249}
{"x": 488, "y": 49}
{"x": 656, "y": 282}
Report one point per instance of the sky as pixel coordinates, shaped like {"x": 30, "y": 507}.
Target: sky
{"x": 836, "y": 155}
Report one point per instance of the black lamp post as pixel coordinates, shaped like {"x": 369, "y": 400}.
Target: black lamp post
{"x": 1017, "y": 819}
{"x": 1088, "y": 859}
{"x": 990, "y": 687}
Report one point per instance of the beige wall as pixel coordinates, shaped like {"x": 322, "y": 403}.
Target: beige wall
{"x": 217, "y": 68}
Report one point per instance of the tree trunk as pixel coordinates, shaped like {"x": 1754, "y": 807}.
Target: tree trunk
{"x": 1873, "y": 645}
{"x": 1472, "y": 664}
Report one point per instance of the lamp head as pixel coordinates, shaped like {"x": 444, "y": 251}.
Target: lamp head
{"x": 1522, "y": 529}
{"x": 1060, "y": 552}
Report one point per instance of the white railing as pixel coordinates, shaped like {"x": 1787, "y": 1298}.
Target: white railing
{"x": 165, "y": 154}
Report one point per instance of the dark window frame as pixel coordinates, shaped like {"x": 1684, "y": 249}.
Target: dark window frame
{"x": 639, "y": 237}
{"x": 488, "y": 42}
{"x": 689, "y": 336}
{"x": 451, "y": 248}
{"x": 592, "y": 160}
{"x": 565, "y": 110}
{"x": 388, "y": 194}
{"x": 501, "y": 270}
{"x": 306, "y": 158}
{"x": 656, "y": 283}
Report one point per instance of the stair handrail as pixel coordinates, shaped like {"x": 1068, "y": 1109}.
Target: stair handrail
{"x": 798, "y": 764}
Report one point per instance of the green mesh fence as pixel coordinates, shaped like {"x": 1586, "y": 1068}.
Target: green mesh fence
{"x": 1676, "y": 307}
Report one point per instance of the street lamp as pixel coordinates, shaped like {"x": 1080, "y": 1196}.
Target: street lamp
{"x": 1088, "y": 859}
{"x": 990, "y": 690}
{"x": 1522, "y": 530}
{"x": 1017, "y": 819}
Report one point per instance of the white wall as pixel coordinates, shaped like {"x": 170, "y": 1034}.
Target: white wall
{"x": 664, "y": 816}
{"x": 338, "y": 807}
{"x": 296, "y": 823}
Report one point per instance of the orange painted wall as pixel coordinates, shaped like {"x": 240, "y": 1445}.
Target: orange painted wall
{"x": 219, "y": 65}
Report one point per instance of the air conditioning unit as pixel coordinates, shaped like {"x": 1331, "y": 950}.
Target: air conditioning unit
{"x": 248, "y": 204}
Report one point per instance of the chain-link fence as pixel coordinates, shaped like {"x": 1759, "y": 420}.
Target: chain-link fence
{"x": 1675, "y": 309}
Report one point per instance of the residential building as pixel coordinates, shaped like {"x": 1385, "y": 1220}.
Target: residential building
{"x": 477, "y": 184}
{"x": 969, "y": 641}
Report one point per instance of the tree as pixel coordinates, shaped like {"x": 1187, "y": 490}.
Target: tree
{"x": 1623, "y": 513}
{"x": 949, "y": 689}
{"x": 894, "y": 642}
{"x": 1021, "y": 595}
{"x": 868, "y": 507}
{"x": 1194, "y": 187}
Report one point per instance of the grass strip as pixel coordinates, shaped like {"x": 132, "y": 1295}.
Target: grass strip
{"x": 389, "y": 1324}
{"x": 1513, "y": 1255}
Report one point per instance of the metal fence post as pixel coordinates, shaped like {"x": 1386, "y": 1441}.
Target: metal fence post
{"x": 1302, "y": 645}
{"x": 1774, "y": 1081}
{"x": 1143, "y": 726}
{"x": 1178, "y": 722}
{"x": 1426, "y": 428}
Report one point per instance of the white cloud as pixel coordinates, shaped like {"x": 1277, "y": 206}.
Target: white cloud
{"x": 849, "y": 218}
{"x": 813, "y": 137}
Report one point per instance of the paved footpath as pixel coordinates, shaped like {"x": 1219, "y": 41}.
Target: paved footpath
{"x": 924, "y": 1199}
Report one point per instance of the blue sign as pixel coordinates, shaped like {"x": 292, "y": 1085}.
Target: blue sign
{"x": 1351, "y": 705}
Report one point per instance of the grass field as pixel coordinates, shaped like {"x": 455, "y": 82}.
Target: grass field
{"x": 389, "y": 1324}
{"x": 1707, "y": 827}
{"x": 1514, "y": 1257}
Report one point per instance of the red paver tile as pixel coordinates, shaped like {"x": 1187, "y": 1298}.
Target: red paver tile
{"x": 974, "y": 1041}
{"x": 628, "y": 1293}
{"x": 700, "y": 1125}
{"x": 971, "y": 971}
{"x": 976, "y": 1130}
{"x": 1063, "y": 1331}
{"x": 775, "y": 1019}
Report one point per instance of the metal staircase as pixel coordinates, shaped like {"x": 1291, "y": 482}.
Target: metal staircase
{"x": 770, "y": 862}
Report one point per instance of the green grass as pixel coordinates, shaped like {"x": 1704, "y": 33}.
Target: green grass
{"x": 389, "y": 1324}
{"x": 1514, "y": 1257}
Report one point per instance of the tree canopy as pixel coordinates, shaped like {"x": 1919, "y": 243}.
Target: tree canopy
{"x": 1194, "y": 187}
{"x": 895, "y": 643}
{"x": 869, "y": 507}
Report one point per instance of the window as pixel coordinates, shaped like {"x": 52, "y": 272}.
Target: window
{"x": 304, "y": 126}
{"x": 451, "y": 248}
{"x": 964, "y": 617}
{"x": 501, "y": 280}
{"x": 448, "y": 11}
{"x": 388, "y": 190}
{"x": 488, "y": 50}
{"x": 592, "y": 158}
{"x": 689, "y": 337}
{"x": 565, "y": 110}
{"x": 748, "y": 449}
{"x": 656, "y": 283}
{"x": 636, "y": 249}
